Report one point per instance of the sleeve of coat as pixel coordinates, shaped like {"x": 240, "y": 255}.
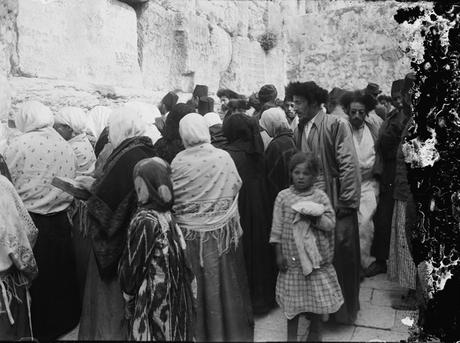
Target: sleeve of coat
{"x": 349, "y": 191}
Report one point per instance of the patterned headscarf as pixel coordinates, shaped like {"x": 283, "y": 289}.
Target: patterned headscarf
{"x": 156, "y": 174}
{"x": 33, "y": 115}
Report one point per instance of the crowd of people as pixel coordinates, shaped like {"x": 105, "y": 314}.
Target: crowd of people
{"x": 184, "y": 222}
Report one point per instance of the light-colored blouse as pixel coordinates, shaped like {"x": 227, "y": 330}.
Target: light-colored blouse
{"x": 34, "y": 159}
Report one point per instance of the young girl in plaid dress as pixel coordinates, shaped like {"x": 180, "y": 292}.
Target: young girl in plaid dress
{"x": 317, "y": 293}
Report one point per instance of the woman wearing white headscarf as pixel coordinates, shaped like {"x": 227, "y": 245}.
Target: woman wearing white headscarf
{"x": 99, "y": 116}
{"x": 72, "y": 125}
{"x": 149, "y": 113}
{"x": 70, "y": 122}
{"x": 110, "y": 207}
{"x": 206, "y": 185}
{"x": 34, "y": 158}
{"x": 278, "y": 152}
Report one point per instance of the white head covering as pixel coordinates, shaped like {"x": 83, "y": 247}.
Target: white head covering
{"x": 194, "y": 130}
{"x": 126, "y": 122}
{"x": 149, "y": 113}
{"x": 273, "y": 120}
{"x": 74, "y": 117}
{"x": 33, "y": 115}
{"x": 99, "y": 117}
{"x": 212, "y": 118}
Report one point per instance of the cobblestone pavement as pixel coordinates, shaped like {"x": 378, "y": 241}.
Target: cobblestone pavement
{"x": 376, "y": 321}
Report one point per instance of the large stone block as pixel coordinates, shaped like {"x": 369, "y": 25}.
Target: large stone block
{"x": 180, "y": 50}
{"x": 347, "y": 44}
{"x": 8, "y": 35}
{"x": 79, "y": 40}
{"x": 251, "y": 67}
{"x": 5, "y": 98}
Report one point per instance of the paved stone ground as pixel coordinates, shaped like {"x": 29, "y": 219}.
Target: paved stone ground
{"x": 376, "y": 321}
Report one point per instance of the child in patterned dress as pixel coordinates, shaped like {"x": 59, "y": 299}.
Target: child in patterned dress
{"x": 317, "y": 293}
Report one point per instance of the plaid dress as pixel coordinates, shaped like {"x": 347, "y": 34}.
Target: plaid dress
{"x": 319, "y": 292}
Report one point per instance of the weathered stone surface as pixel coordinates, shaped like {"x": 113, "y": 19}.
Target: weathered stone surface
{"x": 251, "y": 67}
{"x": 375, "y": 316}
{"x": 59, "y": 93}
{"x": 366, "y": 335}
{"x": 179, "y": 50}
{"x": 5, "y": 98}
{"x": 79, "y": 40}
{"x": 8, "y": 35}
{"x": 347, "y": 45}
{"x": 386, "y": 298}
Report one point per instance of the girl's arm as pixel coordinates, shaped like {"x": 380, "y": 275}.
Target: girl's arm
{"x": 325, "y": 222}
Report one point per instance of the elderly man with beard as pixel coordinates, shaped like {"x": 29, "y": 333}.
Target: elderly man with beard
{"x": 357, "y": 106}
{"x": 330, "y": 139}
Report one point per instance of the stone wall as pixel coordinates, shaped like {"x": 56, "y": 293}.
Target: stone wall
{"x": 85, "y": 53}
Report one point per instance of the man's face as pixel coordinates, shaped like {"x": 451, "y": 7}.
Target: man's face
{"x": 224, "y": 103}
{"x": 290, "y": 109}
{"x": 397, "y": 101}
{"x": 356, "y": 114}
{"x": 303, "y": 108}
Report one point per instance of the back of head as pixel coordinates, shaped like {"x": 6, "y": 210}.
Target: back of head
{"x": 194, "y": 130}
{"x": 274, "y": 121}
{"x": 179, "y": 111}
{"x": 205, "y": 105}
{"x": 169, "y": 100}
{"x": 148, "y": 111}
{"x": 200, "y": 91}
{"x": 241, "y": 127}
{"x": 33, "y": 115}
{"x": 267, "y": 93}
{"x": 228, "y": 93}
{"x": 238, "y": 106}
{"x": 126, "y": 122}
{"x": 100, "y": 118}
{"x": 309, "y": 90}
{"x": 74, "y": 117}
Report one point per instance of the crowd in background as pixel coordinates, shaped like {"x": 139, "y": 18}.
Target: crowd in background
{"x": 185, "y": 222}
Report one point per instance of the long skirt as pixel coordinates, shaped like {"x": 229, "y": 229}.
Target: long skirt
{"x": 401, "y": 267}
{"x": 81, "y": 243}
{"x": 367, "y": 208}
{"x": 224, "y": 310}
{"x": 382, "y": 225}
{"x": 19, "y": 325}
{"x": 347, "y": 262}
{"x": 55, "y": 307}
{"x": 103, "y": 311}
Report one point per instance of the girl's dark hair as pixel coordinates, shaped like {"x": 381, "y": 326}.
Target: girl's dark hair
{"x": 358, "y": 96}
{"x": 309, "y": 90}
{"x": 228, "y": 93}
{"x": 305, "y": 157}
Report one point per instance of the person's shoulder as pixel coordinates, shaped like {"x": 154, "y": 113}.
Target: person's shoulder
{"x": 285, "y": 193}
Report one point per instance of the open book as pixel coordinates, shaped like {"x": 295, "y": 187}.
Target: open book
{"x": 71, "y": 187}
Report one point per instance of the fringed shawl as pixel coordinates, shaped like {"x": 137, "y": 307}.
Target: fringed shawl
{"x": 113, "y": 201}
{"x": 206, "y": 185}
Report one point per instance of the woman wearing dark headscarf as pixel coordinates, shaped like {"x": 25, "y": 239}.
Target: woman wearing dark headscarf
{"x": 170, "y": 144}
{"x": 246, "y": 148}
{"x": 278, "y": 152}
{"x": 110, "y": 207}
{"x": 156, "y": 282}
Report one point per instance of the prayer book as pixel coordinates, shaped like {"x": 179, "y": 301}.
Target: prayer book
{"x": 71, "y": 187}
